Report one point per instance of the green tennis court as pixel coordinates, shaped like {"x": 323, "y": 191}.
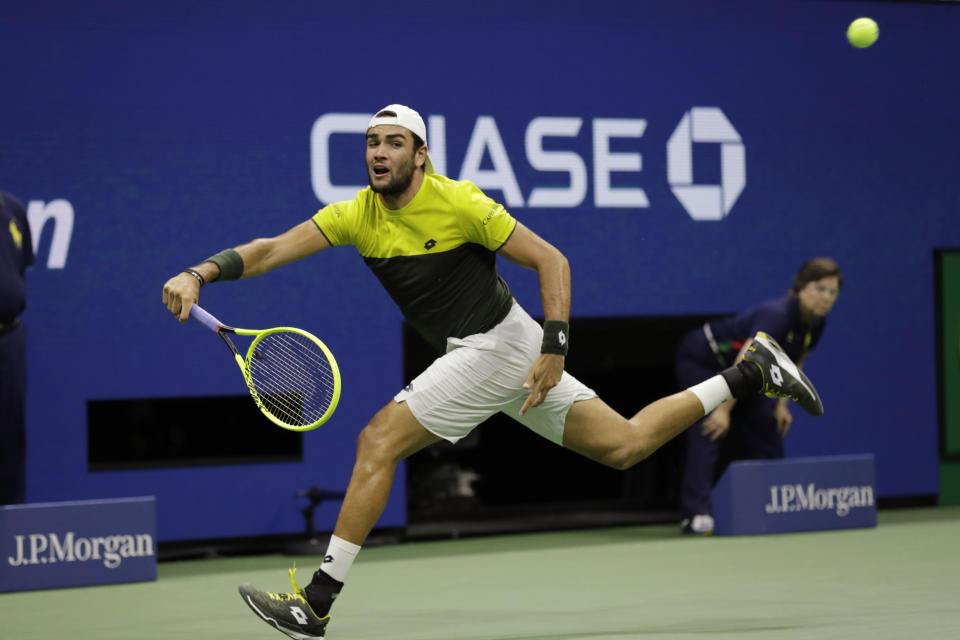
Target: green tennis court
{"x": 899, "y": 580}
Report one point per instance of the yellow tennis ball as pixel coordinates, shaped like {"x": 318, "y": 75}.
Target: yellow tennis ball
{"x": 862, "y": 32}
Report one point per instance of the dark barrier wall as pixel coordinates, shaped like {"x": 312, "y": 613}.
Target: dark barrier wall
{"x": 686, "y": 156}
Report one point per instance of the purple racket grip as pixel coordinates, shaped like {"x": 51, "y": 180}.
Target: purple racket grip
{"x": 204, "y": 318}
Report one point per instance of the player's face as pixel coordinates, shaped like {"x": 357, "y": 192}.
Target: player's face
{"x": 391, "y": 160}
{"x": 818, "y": 296}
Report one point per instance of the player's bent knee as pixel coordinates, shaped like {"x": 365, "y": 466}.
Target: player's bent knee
{"x": 373, "y": 444}
{"x": 624, "y": 457}
{"x": 607, "y": 456}
{"x": 383, "y": 442}
{"x": 595, "y": 430}
{"x": 619, "y": 453}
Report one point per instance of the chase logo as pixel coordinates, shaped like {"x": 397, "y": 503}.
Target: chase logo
{"x": 571, "y": 158}
{"x": 706, "y": 201}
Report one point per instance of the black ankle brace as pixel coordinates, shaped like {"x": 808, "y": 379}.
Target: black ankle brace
{"x": 321, "y": 592}
{"x": 744, "y": 379}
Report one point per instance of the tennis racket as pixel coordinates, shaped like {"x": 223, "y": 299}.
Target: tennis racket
{"x": 292, "y": 376}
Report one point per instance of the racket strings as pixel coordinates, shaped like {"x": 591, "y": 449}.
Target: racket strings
{"x": 292, "y": 377}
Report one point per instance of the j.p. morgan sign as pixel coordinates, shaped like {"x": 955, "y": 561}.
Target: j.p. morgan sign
{"x": 66, "y": 544}
{"x": 800, "y": 494}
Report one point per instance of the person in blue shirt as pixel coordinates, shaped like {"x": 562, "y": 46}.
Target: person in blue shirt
{"x": 751, "y": 428}
{"x": 16, "y": 254}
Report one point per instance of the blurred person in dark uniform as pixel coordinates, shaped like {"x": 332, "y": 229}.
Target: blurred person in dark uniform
{"x": 749, "y": 428}
{"x": 16, "y": 254}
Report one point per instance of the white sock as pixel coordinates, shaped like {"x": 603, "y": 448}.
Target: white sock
{"x": 712, "y": 393}
{"x": 339, "y": 558}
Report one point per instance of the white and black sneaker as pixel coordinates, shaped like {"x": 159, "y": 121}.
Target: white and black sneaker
{"x": 699, "y": 525}
{"x": 289, "y": 613}
{"x": 781, "y": 377}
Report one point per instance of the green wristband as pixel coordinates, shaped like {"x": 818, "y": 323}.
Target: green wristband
{"x": 230, "y": 263}
{"x": 556, "y": 337}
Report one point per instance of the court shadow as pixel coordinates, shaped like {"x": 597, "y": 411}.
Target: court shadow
{"x": 733, "y": 627}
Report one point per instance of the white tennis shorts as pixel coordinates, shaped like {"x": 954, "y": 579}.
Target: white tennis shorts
{"x": 484, "y": 373}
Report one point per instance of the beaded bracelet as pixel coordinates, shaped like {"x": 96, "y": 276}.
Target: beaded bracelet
{"x": 196, "y": 274}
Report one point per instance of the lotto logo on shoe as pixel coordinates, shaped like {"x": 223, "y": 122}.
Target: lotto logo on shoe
{"x": 776, "y": 375}
{"x": 299, "y": 615}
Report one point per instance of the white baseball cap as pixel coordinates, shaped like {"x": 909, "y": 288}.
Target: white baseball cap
{"x": 408, "y": 119}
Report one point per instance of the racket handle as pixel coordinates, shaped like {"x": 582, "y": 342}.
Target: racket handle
{"x": 204, "y": 318}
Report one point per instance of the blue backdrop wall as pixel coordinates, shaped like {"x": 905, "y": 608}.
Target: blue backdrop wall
{"x": 686, "y": 156}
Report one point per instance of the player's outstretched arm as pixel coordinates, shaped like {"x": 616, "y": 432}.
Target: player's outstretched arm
{"x": 251, "y": 259}
{"x": 530, "y": 250}
{"x": 266, "y": 254}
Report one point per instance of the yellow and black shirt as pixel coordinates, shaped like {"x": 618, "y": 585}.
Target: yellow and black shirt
{"x": 435, "y": 257}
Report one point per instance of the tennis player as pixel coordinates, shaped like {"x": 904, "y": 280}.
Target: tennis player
{"x": 433, "y": 242}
